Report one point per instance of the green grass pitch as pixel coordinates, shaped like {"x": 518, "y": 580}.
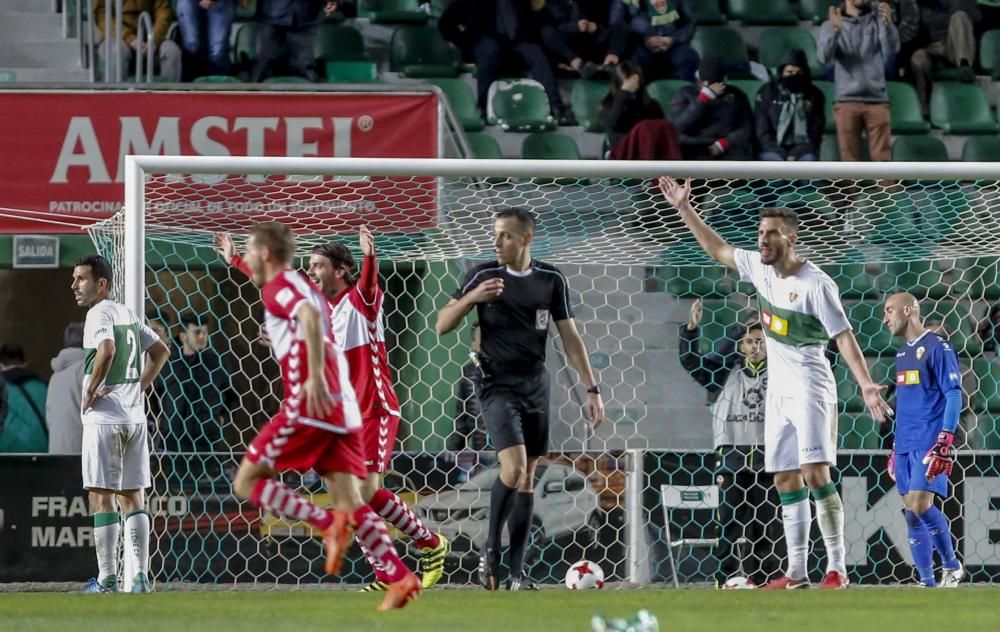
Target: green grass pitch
{"x": 701, "y": 610}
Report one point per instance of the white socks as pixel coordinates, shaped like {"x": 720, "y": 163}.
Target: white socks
{"x": 137, "y": 543}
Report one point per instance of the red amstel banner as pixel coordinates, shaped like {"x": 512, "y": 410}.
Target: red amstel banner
{"x": 62, "y": 152}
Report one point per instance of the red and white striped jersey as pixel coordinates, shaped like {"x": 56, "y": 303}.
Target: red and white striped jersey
{"x": 283, "y": 296}
{"x": 358, "y": 329}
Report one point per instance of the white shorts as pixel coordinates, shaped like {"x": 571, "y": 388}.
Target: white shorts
{"x": 115, "y": 456}
{"x": 798, "y": 431}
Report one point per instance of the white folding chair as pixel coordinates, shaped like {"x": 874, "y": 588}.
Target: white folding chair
{"x": 692, "y": 497}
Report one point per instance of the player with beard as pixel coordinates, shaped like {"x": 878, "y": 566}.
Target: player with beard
{"x": 800, "y": 311}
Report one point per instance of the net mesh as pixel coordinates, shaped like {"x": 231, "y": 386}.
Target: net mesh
{"x": 634, "y": 273}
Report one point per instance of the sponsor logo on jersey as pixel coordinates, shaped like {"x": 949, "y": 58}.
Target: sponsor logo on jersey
{"x": 776, "y": 324}
{"x": 953, "y": 376}
{"x": 920, "y": 352}
{"x": 541, "y": 319}
{"x": 908, "y": 377}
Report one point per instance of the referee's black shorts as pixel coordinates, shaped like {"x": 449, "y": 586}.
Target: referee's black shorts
{"x": 516, "y": 411}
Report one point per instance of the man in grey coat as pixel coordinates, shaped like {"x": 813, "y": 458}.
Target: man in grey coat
{"x": 857, "y": 38}
{"x": 62, "y": 403}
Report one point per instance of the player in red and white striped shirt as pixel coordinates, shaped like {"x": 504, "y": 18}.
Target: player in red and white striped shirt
{"x": 319, "y": 424}
{"x": 358, "y": 317}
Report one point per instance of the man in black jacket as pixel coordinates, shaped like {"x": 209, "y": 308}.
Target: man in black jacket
{"x": 582, "y": 29}
{"x": 293, "y": 23}
{"x": 790, "y": 116}
{"x": 488, "y": 32}
{"x": 714, "y": 120}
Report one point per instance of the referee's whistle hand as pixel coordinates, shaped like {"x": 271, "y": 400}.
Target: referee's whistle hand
{"x": 486, "y": 291}
{"x": 595, "y": 408}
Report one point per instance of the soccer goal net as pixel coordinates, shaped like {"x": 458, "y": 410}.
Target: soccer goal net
{"x": 651, "y": 496}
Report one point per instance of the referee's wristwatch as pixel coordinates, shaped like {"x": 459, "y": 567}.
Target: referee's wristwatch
{"x": 594, "y": 390}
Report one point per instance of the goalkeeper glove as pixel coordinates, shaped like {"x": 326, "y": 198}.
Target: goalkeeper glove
{"x": 891, "y": 465}
{"x": 941, "y": 458}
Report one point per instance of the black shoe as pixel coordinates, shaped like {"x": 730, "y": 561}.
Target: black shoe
{"x": 521, "y": 583}
{"x": 966, "y": 74}
{"x": 488, "y": 563}
{"x": 591, "y": 70}
{"x": 565, "y": 118}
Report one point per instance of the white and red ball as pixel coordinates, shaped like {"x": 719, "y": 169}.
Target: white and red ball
{"x": 584, "y": 575}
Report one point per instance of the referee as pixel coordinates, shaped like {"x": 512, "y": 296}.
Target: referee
{"x": 515, "y": 298}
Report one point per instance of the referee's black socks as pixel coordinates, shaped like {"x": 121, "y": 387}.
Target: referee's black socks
{"x": 501, "y": 502}
{"x": 519, "y": 524}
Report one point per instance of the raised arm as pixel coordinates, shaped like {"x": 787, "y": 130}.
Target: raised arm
{"x": 368, "y": 280}
{"x": 226, "y": 249}
{"x": 847, "y": 344}
{"x": 679, "y": 196}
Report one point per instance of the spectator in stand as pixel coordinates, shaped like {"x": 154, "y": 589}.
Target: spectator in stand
{"x": 24, "y": 428}
{"x": 857, "y": 37}
{"x": 906, "y": 17}
{"x": 989, "y": 329}
{"x": 661, "y": 32}
{"x": 63, "y": 402}
{"x": 714, "y": 120}
{"x": 289, "y": 23}
{"x": 204, "y": 27}
{"x": 167, "y": 54}
{"x": 789, "y": 112}
{"x": 634, "y": 121}
{"x": 489, "y": 32}
{"x": 582, "y": 27}
{"x": 949, "y": 26}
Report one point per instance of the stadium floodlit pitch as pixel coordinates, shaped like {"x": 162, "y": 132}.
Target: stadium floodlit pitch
{"x": 882, "y": 609}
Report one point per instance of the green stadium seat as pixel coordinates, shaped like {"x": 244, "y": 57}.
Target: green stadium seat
{"x": 873, "y": 337}
{"x": 696, "y": 281}
{"x": 549, "y": 146}
{"x": 420, "y": 52}
{"x": 243, "y": 43}
{"x": 926, "y": 279}
{"x": 748, "y": 86}
{"x": 350, "y": 71}
{"x": 662, "y": 91}
{"x": 586, "y": 103}
{"x": 484, "y": 146}
{"x": 985, "y": 434}
{"x": 462, "y": 101}
{"x": 394, "y": 11}
{"x": 919, "y": 149}
{"x": 523, "y": 108}
{"x": 907, "y": 117}
{"x": 339, "y": 42}
{"x": 815, "y": 11}
{"x": 707, "y": 12}
{"x": 961, "y": 108}
{"x": 858, "y": 432}
{"x": 830, "y": 149}
{"x": 776, "y": 42}
{"x": 981, "y": 149}
{"x": 762, "y": 11}
{"x": 830, "y": 94}
{"x": 987, "y": 395}
{"x": 727, "y": 43}
{"x": 989, "y": 53}
{"x": 286, "y": 80}
{"x": 216, "y": 79}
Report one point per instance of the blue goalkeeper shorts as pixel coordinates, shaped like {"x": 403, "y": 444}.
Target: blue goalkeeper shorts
{"x": 911, "y": 475}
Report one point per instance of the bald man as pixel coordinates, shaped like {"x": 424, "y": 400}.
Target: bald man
{"x": 928, "y": 403}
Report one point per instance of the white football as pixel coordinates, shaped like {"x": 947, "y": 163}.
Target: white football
{"x": 738, "y": 583}
{"x": 584, "y": 575}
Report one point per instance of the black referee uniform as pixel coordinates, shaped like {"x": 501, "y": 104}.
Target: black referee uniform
{"x": 514, "y": 390}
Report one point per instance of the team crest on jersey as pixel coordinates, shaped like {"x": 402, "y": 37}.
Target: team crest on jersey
{"x": 920, "y": 352}
{"x": 793, "y": 295}
{"x": 541, "y": 319}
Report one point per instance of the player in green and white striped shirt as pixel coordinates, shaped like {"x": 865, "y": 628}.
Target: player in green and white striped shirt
{"x": 800, "y": 312}
{"x": 115, "y": 454}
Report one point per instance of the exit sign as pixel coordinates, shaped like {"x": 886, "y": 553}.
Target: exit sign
{"x": 36, "y": 251}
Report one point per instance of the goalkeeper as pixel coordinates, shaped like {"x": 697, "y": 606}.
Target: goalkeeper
{"x": 928, "y": 403}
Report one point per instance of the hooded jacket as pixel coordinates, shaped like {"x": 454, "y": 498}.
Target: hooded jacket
{"x": 768, "y": 108}
{"x": 63, "y": 402}
{"x": 24, "y": 430}
{"x": 858, "y": 52}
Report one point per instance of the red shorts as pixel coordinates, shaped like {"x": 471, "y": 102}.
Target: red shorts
{"x": 286, "y": 445}
{"x": 380, "y": 441}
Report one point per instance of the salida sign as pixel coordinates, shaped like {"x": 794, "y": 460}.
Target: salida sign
{"x": 63, "y": 152}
